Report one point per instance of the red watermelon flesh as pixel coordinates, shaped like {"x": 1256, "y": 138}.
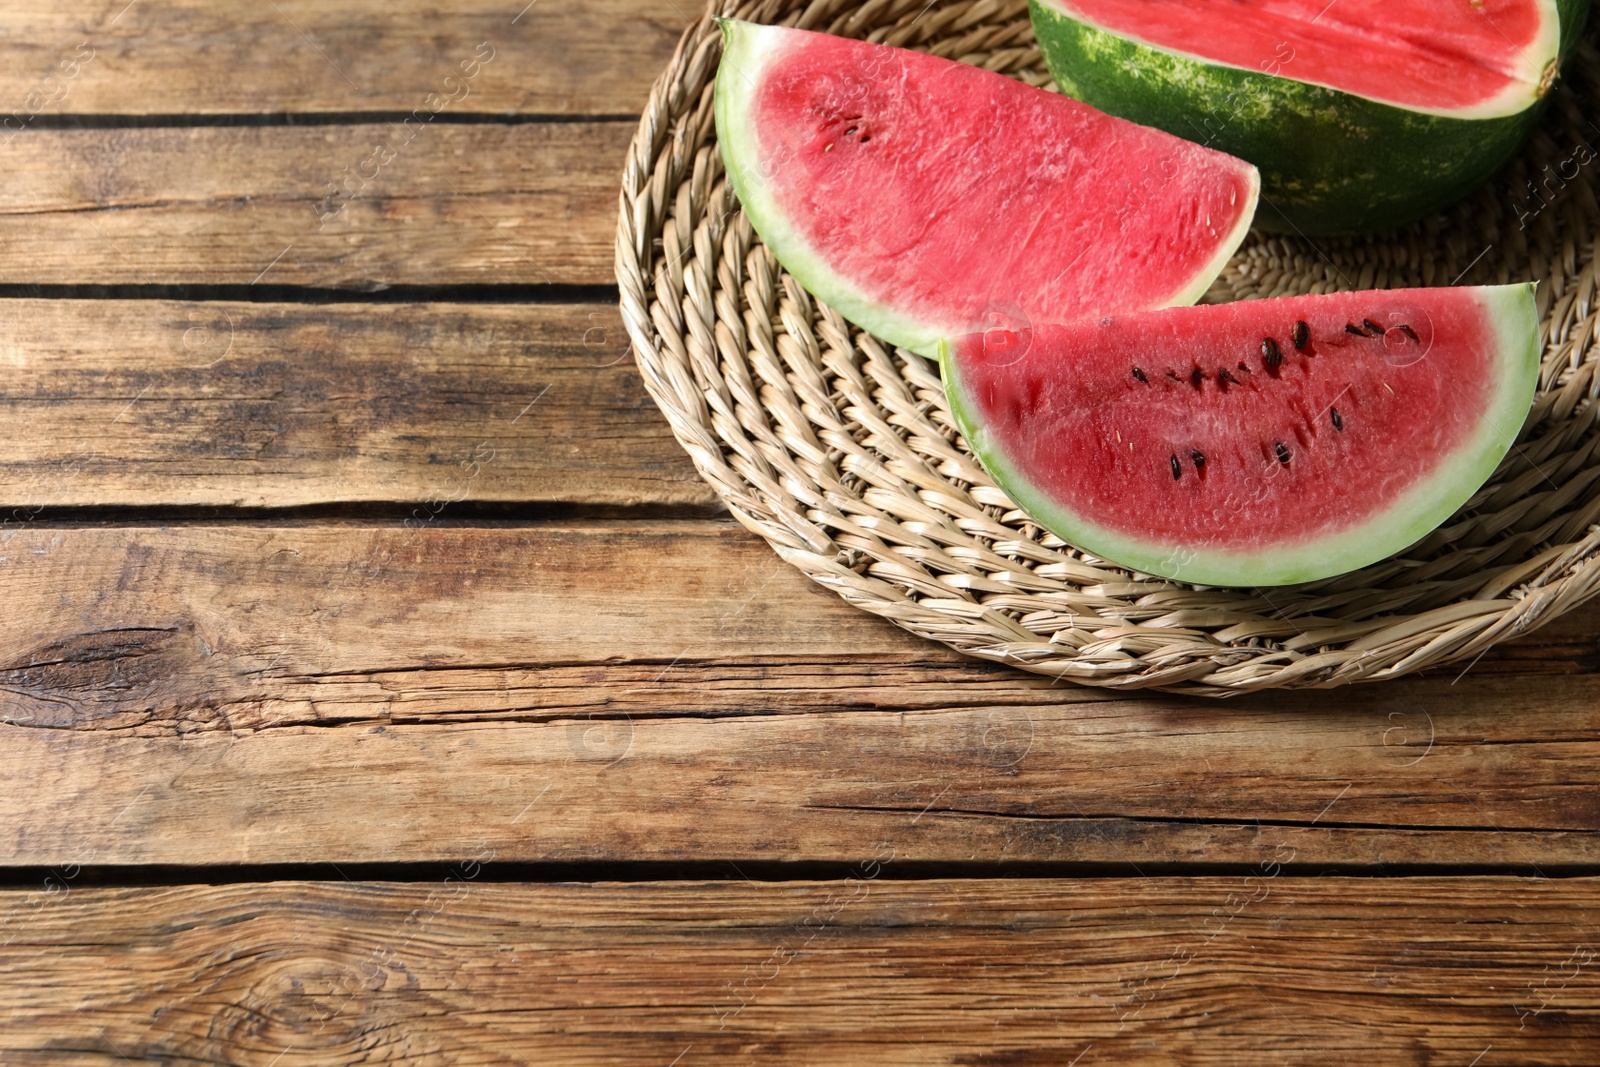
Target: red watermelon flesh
{"x": 1451, "y": 57}
{"x": 1206, "y": 444}
{"x": 922, "y": 197}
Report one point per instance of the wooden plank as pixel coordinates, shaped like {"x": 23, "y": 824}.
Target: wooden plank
{"x": 196, "y": 57}
{"x": 445, "y": 205}
{"x": 672, "y": 691}
{"x": 156, "y": 402}
{"x": 1264, "y": 968}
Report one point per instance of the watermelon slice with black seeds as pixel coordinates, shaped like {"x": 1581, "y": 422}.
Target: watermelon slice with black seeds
{"x": 1258, "y": 443}
{"x": 921, "y": 198}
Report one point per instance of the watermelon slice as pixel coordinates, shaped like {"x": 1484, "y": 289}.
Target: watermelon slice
{"x": 1360, "y": 113}
{"x": 1257, "y": 443}
{"x": 922, "y": 198}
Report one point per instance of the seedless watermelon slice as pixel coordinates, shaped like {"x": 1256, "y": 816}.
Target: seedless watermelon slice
{"x": 921, "y": 197}
{"x": 1258, "y": 443}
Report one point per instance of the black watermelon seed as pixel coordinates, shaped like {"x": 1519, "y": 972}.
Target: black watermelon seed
{"x": 1177, "y": 470}
{"x": 1271, "y": 354}
{"x": 1338, "y": 423}
{"x": 1198, "y": 457}
{"x": 1373, "y": 328}
{"x": 1196, "y": 376}
{"x": 1301, "y": 335}
{"x": 1409, "y": 332}
{"x": 1225, "y": 377}
{"x": 1139, "y": 374}
{"x": 1283, "y": 453}
{"x": 1353, "y": 329}
{"x": 1173, "y": 375}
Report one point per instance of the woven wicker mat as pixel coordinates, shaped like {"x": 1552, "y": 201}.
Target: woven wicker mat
{"x": 839, "y": 450}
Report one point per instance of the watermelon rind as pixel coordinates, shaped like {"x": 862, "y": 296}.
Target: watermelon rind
{"x": 1331, "y": 162}
{"x": 1405, "y": 521}
{"x": 747, "y": 49}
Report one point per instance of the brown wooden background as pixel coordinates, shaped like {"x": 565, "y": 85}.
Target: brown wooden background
{"x": 378, "y": 682}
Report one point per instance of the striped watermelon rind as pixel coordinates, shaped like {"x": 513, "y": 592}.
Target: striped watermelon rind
{"x": 1331, "y": 162}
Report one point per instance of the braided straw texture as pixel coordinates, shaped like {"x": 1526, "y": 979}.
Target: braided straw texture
{"x": 840, "y": 451}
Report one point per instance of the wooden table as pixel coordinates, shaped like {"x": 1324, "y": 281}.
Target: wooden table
{"x": 380, "y": 683}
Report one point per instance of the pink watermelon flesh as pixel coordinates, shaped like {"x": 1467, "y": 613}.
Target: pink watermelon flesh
{"x": 922, "y": 197}
{"x": 1201, "y": 443}
{"x": 1425, "y": 55}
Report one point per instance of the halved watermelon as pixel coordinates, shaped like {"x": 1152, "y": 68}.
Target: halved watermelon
{"x": 921, "y": 197}
{"x": 1360, "y": 113}
{"x": 1258, "y": 443}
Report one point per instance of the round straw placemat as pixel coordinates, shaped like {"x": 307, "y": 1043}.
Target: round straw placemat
{"x": 839, "y": 450}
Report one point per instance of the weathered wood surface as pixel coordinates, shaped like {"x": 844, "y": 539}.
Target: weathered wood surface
{"x": 477, "y": 693}
{"x": 200, "y": 57}
{"x": 864, "y": 969}
{"x": 671, "y": 691}
{"x": 158, "y": 403}
{"x": 420, "y": 204}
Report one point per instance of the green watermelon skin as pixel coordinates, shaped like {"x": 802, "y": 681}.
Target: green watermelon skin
{"x": 1330, "y": 162}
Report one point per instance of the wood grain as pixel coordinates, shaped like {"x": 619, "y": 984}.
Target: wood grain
{"x": 350, "y": 206}
{"x": 195, "y": 57}
{"x": 671, "y": 691}
{"x": 478, "y": 693}
{"x": 170, "y": 403}
{"x": 865, "y": 969}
